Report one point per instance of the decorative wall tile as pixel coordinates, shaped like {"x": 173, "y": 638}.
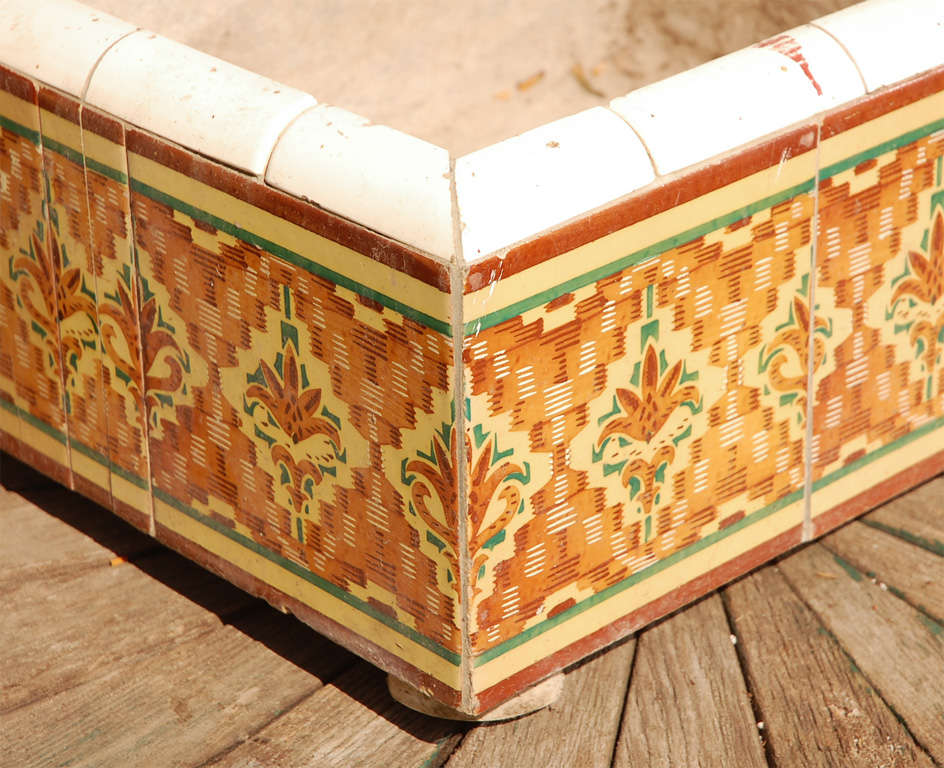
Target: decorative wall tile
{"x": 879, "y": 399}
{"x": 639, "y": 417}
{"x": 69, "y": 246}
{"x": 195, "y": 99}
{"x": 30, "y": 256}
{"x": 124, "y": 372}
{"x": 289, "y": 414}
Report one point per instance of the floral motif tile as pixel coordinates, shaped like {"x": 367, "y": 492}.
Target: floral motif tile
{"x": 880, "y": 290}
{"x": 300, "y": 418}
{"x": 636, "y": 419}
{"x": 123, "y": 366}
{"x": 76, "y": 272}
{"x": 30, "y": 253}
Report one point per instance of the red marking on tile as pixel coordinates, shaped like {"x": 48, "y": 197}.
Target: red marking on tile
{"x": 789, "y": 47}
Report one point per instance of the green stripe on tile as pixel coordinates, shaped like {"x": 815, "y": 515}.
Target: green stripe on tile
{"x": 713, "y": 538}
{"x": 513, "y": 310}
{"x": 20, "y": 130}
{"x": 91, "y": 453}
{"x": 657, "y": 567}
{"x": 290, "y": 256}
{"x": 878, "y": 453}
{"x": 311, "y": 578}
{"x": 881, "y": 149}
{"x": 61, "y": 149}
{"x": 106, "y": 170}
{"x": 42, "y": 426}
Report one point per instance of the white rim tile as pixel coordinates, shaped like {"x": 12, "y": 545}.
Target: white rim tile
{"x": 738, "y": 98}
{"x": 381, "y": 178}
{"x": 194, "y": 99}
{"x": 522, "y": 186}
{"x": 56, "y": 41}
{"x": 890, "y": 40}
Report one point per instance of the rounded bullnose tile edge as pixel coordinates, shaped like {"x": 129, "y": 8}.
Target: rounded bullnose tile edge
{"x": 196, "y": 100}
{"x": 738, "y": 98}
{"x": 890, "y": 40}
{"x": 57, "y": 41}
{"x": 383, "y": 179}
{"x": 525, "y": 185}
{"x": 542, "y": 695}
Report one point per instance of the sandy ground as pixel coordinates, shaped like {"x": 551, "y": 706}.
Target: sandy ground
{"x": 467, "y": 74}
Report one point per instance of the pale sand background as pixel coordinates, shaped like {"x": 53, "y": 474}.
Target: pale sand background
{"x": 467, "y": 74}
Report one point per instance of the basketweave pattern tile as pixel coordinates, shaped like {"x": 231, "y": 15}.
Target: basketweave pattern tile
{"x": 289, "y": 410}
{"x": 626, "y": 421}
{"x": 880, "y": 285}
{"x": 123, "y": 366}
{"x": 76, "y": 276}
{"x": 30, "y": 253}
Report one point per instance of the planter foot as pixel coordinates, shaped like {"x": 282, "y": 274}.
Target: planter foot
{"x": 541, "y": 695}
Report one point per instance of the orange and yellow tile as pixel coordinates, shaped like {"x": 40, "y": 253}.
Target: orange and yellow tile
{"x": 287, "y": 414}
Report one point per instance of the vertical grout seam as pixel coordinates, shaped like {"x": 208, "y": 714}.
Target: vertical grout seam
{"x": 88, "y": 78}
{"x": 136, "y": 297}
{"x": 98, "y": 324}
{"x": 457, "y": 271}
{"x": 807, "y": 530}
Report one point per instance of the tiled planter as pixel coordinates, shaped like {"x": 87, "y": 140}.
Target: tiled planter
{"x": 475, "y": 419}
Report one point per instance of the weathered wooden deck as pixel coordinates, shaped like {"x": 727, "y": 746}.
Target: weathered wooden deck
{"x": 114, "y": 651}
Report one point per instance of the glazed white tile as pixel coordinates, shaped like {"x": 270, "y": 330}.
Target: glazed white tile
{"x": 56, "y": 41}
{"x": 388, "y": 181}
{"x": 194, "y": 99}
{"x": 890, "y": 40}
{"x": 740, "y": 97}
{"x": 522, "y": 186}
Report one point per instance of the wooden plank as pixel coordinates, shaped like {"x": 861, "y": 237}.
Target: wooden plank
{"x": 179, "y": 707}
{"x": 688, "y": 702}
{"x": 60, "y": 631}
{"x": 918, "y": 516}
{"x": 53, "y": 530}
{"x": 580, "y": 729}
{"x": 910, "y": 572}
{"x": 899, "y": 649}
{"x": 350, "y": 722}
{"x": 816, "y": 707}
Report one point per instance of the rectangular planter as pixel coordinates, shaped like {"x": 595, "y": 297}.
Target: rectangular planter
{"x": 476, "y": 418}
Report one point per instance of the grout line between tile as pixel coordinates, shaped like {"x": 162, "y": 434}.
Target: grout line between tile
{"x": 136, "y": 297}
{"x": 457, "y": 273}
{"x": 88, "y": 77}
{"x": 645, "y": 146}
{"x": 98, "y": 323}
{"x": 846, "y": 51}
{"x": 265, "y": 171}
{"x": 807, "y": 530}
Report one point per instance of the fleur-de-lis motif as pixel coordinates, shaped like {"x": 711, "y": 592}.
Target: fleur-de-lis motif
{"x": 52, "y": 295}
{"x": 293, "y": 409}
{"x": 645, "y": 414}
{"x": 489, "y": 481}
{"x": 296, "y": 412}
{"x": 922, "y": 295}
